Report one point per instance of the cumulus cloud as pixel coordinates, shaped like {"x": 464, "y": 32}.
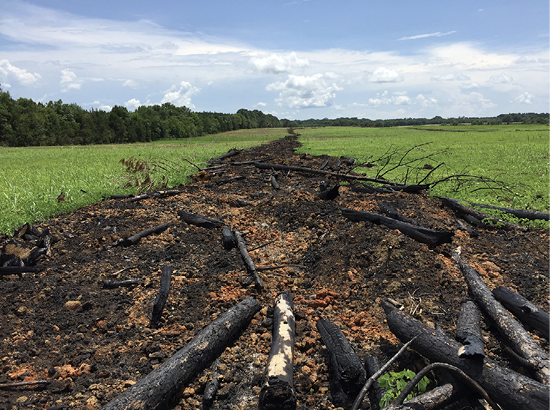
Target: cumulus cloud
{"x": 385, "y": 99}
{"x": 132, "y": 104}
{"x": 276, "y": 63}
{"x": 524, "y": 98}
{"x": 436, "y": 34}
{"x": 384, "y": 75}
{"x": 131, "y": 84}
{"x": 470, "y": 86}
{"x": 21, "y": 75}
{"x": 426, "y": 101}
{"x": 260, "y": 105}
{"x": 180, "y": 95}
{"x": 500, "y": 79}
{"x": 68, "y": 81}
{"x": 457, "y": 76}
{"x": 305, "y": 91}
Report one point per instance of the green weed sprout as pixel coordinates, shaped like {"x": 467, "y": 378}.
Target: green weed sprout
{"x": 395, "y": 382}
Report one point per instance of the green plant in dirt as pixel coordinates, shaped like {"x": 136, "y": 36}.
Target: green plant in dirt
{"x": 147, "y": 175}
{"x": 395, "y": 382}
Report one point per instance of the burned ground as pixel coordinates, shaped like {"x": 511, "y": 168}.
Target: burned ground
{"x": 62, "y": 324}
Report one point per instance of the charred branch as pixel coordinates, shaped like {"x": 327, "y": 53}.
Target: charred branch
{"x": 520, "y": 213}
{"x": 251, "y": 268}
{"x": 392, "y": 212}
{"x": 159, "y": 388}
{"x": 108, "y": 284}
{"x": 527, "y": 313}
{"x": 509, "y": 389}
{"x": 351, "y": 374}
{"x": 278, "y": 389}
{"x": 424, "y": 235}
{"x": 199, "y": 220}
{"x": 162, "y": 296}
{"x": 516, "y": 336}
{"x": 228, "y": 238}
{"x": 18, "y": 270}
{"x": 468, "y": 330}
{"x": 231, "y": 153}
{"x": 132, "y": 240}
{"x": 376, "y": 392}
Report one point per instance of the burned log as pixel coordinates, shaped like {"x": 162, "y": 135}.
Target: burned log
{"x": 421, "y": 234}
{"x": 520, "y": 213}
{"x": 274, "y": 182}
{"x": 392, "y": 212}
{"x": 516, "y": 336}
{"x": 18, "y": 270}
{"x": 211, "y": 387}
{"x": 509, "y": 389}
{"x": 199, "y": 220}
{"x": 279, "y": 167}
{"x": 488, "y": 221}
{"x": 526, "y": 312}
{"x": 162, "y": 296}
{"x": 251, "y": 268}
{"x": 132, "y": 240}
{"x": 330, "y": 194}
{"x": 108, "y": 284}
{"x": 278, "y": 389}
{"x": 351, "y": 374}
{"x": 228, "y": 239}
{"x": 376, "y": 392}
{"x": 159, "y": 388}
{"x": 231, "y": 153}
{"x": 229, "y": 180}
{"x": 410, "y": 189}
{"x": 468, "y": 330}
{"x": 434, "y": 399}
{"x": 367, "y": 189}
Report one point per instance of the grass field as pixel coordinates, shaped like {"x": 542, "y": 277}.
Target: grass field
{"x": 31, "y": 179}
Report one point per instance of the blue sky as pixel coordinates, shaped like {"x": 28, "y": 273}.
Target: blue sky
{"x": 295, "y": 59}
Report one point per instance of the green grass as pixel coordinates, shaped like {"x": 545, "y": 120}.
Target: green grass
{"x": 31, "y": 179}
{"x": 515, "y": 154}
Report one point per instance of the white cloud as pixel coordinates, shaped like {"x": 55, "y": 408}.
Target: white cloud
{"x": 105, "y": 108}
{"x": 5, "y": 85}
{"x": 457, "y": 76}
{"x": 470, "y": 86}
{"x": 384, "y": 75}
{"x": 276, "y": 63}
{"x": 500, "y": 79}
{"x": 68, "y": 81}
{"x": 260, "y": 105}
{"x": 132, "y": 104}
{"x": 131, "y": 84}
{"x": 180, "y": 96}
{"x": 426, "y": 101}
{"x": 385, "y": 99}
{"x": 524, "y": 98}
{"x": 437, "y": 34}
{"x": 21, "y": 75}
{"x": 305, "y": 91}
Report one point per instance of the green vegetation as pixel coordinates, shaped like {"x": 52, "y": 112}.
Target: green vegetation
{"x": 31, "y": 179}
{"x": 516, "y": 155}
{"x": 395, "y": 382}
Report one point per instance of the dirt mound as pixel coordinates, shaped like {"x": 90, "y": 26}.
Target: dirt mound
{"x": 63, "y": 324}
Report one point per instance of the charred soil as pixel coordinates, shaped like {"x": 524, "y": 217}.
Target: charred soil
{"x": 62, "y": 324}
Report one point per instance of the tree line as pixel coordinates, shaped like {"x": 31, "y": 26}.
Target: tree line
{"x": 24, "y": 122}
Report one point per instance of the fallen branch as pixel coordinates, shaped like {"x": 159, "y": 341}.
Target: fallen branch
{"x": 517, "y": 337}
{"x": 390, "y": 211}
{"x": 274, "y": 182}
{"x": 468, "y": 330}
{"x": 520, "y": 213}
{"x": 132, "y": 240}
{"x": 108, "y": 284}
{"x": 350, "y": 373}
{"x": 278, "y": 389}
{"x": 251, "y": 268}
{"x": 211, "y": 387}
{"x": 526, "y": 312}
{"x": 509, "y": 389}
{"x": 376, "y": 393}
{"x": 228, "y": 238}
{"x": 162, "y": 296}
{"x": 24, "y": 384}
{"x": 434, "y": 399}
{"x": 158, "y": 389}
{"x": 199, "y": 220}
{"x": 18, "y": 270}
{"x": 231, "y": 153}
{"x": 229, "y": 180}
{"x": 424, "y": 235}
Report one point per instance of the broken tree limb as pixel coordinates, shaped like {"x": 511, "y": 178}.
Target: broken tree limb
{"x": 112, "y": 284}
{"x": 132, "y": 240}
{"x": 274, "y": 182}
{"x": 410, "y": 189}
{"x": 463, "y": 376}
{"x": 489, "y": 221}
{"x": 162, "y": 296}
{"x": 509, "y": 389}
{"x": 392, "y": 212}
{"x": 199, "y": 220}
{"x": 520, "y": 213}
{"x": 377, "y": 392}
{"x": 318, "y": 172}
{"x": 361, "y": 396}
{"x": 24, "y": 384}
{"x": 158, "y": 389}
{"x": 526, "y": 312}
{"x": 424, "y": 235}
{"x": 278, "y": 389}
{"x": 229, "y": 180}
{"x": 468, "y": 330}
{"x": 228, "y": 238}
{"x": 211, "y": 387}
{"x": 350, "y": 373}
{"x": 231, "y": 153}
{"x": 434, "y": 399}
{"x": 250, "y": 267}
{"x": 18, "y": 270}
{"x": 516, "y": 336}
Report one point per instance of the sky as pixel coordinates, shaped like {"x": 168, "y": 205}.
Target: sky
{"x": 295, "y": 59}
